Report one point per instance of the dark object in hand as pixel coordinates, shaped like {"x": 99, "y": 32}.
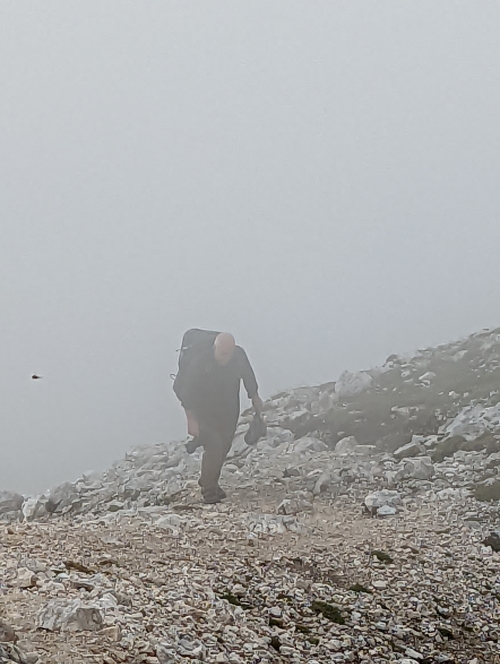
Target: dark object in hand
{"x": 193, "y": 445}
{"x": 256, "y": 430}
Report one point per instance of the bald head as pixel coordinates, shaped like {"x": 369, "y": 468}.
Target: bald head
{"x": 224, "y": 346}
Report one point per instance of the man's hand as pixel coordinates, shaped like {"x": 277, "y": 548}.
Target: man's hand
{"x": 257, "y": 404}
{"x": 192, "y": 424}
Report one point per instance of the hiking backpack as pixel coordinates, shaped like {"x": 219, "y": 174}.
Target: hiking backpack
{"x": 194, "y": 342}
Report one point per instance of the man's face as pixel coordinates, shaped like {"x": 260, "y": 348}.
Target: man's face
{"x": 223, "y": 354}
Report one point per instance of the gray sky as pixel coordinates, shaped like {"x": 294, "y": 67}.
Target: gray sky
{"x": 320, "y": 178}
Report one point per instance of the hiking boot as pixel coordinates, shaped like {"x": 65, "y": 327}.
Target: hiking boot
{"x": 193, "y": 445}
{"x": 213, "y": 496}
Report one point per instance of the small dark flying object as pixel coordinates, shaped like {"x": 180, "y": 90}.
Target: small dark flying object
{"x": 35, "y": 377}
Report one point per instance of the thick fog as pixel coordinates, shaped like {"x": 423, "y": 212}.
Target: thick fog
{"x": 319, "y": 178}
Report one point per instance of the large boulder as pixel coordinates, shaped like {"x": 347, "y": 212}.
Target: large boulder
{"x": 294, "y": 505}
{"x": 419, "y": 469}
{"x": 61, "y": 614}
{"x": 347, "y": 445}
{"x": 33, "y": 508}
{"x": 412, "y": 449}
{"x": 382, "y": 499}
{"x": 351, "y": 384}
{"x": 10, "y": 502}
{"x": 10, "y": 653}
{"x": 473, "y": 421}
{"x": 61, "y": 498}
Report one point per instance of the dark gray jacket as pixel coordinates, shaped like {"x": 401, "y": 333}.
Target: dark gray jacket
{"x": 212, "y": 391}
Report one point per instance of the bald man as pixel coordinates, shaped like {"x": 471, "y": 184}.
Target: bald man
{"x": 211, "y": 398}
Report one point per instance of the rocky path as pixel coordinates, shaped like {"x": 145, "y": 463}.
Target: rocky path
{"x": 238, "y": 583}
{"x": 364, "y": 528}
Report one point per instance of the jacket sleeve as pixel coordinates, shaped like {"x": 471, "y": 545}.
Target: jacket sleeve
{"x": 248, "y": 375}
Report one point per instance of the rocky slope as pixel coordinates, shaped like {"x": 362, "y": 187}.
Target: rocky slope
{"x": 362, "y": 529}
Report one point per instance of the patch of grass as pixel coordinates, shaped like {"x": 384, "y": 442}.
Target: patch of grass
{"x": 328, "y": 611}
{"x": 488, "y": 492}
{"x": 275, "y": 622}
{"x": 444, "y": 631}
{"x": 235, "y": 601}
{"x": 232, "y": 599}
{"x": 303, "y": 629}
{"x": 285, "y": 598}
{"x": 359, "y": 588}
{"x": 382, "y": 556}
{"x": 447, "y": 447}
{"x": 275, "y": 643}
{"x": 369, "y": 415}
{"x": 78, "y": 567}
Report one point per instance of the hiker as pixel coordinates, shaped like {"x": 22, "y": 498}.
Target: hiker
{"x": 210, "y": 395}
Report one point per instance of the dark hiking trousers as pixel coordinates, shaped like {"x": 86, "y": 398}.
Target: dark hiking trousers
{"x": 216, "y": 438}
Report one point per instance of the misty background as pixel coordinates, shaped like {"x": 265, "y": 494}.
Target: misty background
{"x": 319, "y": 178}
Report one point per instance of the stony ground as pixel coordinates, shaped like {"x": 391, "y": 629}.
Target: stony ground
{"x": 238, "y": 583}
{"x": 364, "y": 528}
